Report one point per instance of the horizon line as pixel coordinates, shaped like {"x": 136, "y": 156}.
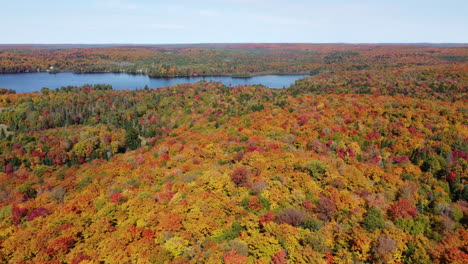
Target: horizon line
{"x": 197, "y": 43}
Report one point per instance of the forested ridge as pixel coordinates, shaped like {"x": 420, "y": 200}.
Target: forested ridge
{"x": 351, "y": 165}
{"x": 238, "y": 60}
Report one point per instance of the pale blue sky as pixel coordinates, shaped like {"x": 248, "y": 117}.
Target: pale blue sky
{"x": 228, "y": 21}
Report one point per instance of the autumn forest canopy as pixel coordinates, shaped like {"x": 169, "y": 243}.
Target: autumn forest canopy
{"x": 364, "y": 161}
{"x": 240, "y": 60}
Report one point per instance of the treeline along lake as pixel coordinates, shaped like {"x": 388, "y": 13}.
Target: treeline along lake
{"x": 32, "y": 82}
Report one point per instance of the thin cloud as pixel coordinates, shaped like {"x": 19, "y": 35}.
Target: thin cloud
{"x": 174, "y": 8}
{"x": 246, "y": 1}
{"x": 240, "y": 2}
{"x": 208, "y": 13}
{"x": 118, "y": 4}
{"x": 169, "y": 26}
{"x": 285, "y": 21}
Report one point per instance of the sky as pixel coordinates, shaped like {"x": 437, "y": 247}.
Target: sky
{"x": 233, "y": 21}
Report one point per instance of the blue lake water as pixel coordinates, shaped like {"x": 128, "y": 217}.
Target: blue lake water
{"x": 30, "y": 82}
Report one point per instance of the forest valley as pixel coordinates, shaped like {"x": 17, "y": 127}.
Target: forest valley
{"x": 365, "y": 161}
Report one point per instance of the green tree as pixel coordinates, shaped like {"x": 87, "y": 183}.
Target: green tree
{"x": 374, "y": 220}
{"x": 131, "y": 139}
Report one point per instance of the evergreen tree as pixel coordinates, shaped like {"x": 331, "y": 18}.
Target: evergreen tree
{"x": 131, "y": 138}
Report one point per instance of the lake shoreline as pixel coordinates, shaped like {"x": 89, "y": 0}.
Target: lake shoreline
{"x": 35, "y": 81}
{"x": 233, "y": 75}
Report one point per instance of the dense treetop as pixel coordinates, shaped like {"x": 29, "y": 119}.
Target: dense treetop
{"x": 351, "y": 166}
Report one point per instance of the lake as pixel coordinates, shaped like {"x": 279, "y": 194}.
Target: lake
{"x": 31, "y": 82}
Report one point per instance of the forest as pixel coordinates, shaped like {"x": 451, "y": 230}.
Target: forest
{"x": 237, "y": 60}
{"x": 365, "y": 161}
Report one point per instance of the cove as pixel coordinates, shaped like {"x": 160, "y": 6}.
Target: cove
{"x": 34, "y": 82}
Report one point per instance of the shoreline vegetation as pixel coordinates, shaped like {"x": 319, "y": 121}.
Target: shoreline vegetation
{"x": 125, "y": 81}
{"x": 233, "y": 75}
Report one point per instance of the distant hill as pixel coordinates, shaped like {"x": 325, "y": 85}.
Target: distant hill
{"x": 215, "y": 45}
